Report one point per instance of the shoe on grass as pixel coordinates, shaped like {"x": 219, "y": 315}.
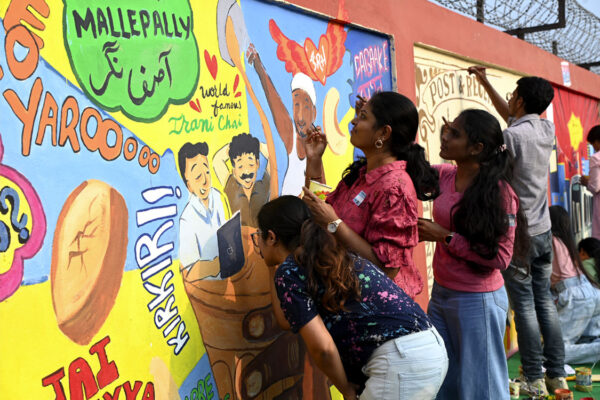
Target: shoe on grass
{"x": 556, "y": 383}
{"x": 536, "y": 387}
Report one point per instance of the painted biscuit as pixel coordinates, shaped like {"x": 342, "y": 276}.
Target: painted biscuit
{"x": 88, "y": 256}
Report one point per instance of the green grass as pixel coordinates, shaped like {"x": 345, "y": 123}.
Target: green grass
{"x": 513, "y": 372}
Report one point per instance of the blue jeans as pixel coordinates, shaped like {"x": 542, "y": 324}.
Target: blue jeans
{"x": 409, "y": 367}
{"x": 535, "y": 312}
{"x": 578, "y": 305}
{"x": 472, "y": 325}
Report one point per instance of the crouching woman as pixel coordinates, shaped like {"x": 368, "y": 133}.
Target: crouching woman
{"x": 370, "y": 338}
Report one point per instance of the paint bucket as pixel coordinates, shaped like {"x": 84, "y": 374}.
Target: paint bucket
{"x": 583, "y": 379}
{"x": 514, "y": 387}
{"x": 563, "y": 394}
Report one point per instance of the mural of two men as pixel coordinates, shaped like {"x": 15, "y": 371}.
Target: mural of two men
{"x": 205, "y": 211}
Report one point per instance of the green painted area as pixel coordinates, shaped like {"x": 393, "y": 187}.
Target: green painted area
{"x": 135, "y": 56}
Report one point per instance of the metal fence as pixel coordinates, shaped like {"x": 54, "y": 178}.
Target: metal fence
{"x": 561, "y": 27}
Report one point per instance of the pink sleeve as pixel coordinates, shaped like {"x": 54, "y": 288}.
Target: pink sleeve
{"x": 594, "y": 181}
{"x": 392, "y": 228}
{"x": 555, "y": 276}
{"x": 460, "y": 247}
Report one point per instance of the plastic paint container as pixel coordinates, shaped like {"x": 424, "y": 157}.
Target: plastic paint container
{"x": 514, "y": 387}
{"x": 319, "y": 189}
{"x": 583, "y": 379}
{"x": 563, "y": 394}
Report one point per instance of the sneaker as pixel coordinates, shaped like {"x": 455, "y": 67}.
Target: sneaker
{"x": 556, "y": 383}
{"x": 533, "y": 388}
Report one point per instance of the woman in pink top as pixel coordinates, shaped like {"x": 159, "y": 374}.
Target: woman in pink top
{"x": 592, "y": 181}
{"x": 373, "y": 210}
{"x": 577, "y": 300}
{"x": 476, "y": 219}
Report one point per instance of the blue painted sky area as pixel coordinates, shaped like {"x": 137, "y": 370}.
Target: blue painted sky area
{"x": 592, "y": 6}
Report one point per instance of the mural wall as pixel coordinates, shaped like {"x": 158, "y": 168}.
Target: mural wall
{"x": 573, "y": 115}
{"x": 443, "y": 89}
{"x": 139, "y": 140}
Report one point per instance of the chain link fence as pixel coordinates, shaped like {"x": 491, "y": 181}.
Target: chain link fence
{"x": 573, "y": 34}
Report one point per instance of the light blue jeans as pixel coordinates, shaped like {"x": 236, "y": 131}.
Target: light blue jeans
{"x": 578, "y": 305}
{"x": 410, "y": 367}
{"x": 472, "y": 325}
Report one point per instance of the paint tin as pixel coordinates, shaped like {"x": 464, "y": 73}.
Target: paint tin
{"x": 563, "y": 394}
{"x": 514, "y": 387}
{"x": 583, "y": 379}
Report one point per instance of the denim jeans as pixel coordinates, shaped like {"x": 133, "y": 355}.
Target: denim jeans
{"x": 578, "y": 305}
{"x": 535, "y": 312}
{"x": 409, "y": 367}
{"x": 472, "y": 325}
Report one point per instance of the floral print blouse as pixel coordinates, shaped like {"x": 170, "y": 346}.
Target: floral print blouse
{"x": 383, "y": 313}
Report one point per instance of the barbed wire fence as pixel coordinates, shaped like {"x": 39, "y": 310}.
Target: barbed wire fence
{"x": 561, "y": 27}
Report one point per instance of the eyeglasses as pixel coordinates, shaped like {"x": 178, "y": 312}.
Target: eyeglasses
{"x": 254, "y": 237}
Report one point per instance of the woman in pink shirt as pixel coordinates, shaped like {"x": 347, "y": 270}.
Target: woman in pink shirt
{"x": 476, "y": 219}
{"x": 373, "y": 210}
{"x": 577, "y": 299}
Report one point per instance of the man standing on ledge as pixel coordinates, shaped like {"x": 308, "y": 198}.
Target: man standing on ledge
{"x": 529, "y": 139}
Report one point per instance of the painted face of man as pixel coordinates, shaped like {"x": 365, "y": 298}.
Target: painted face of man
{"x": 244, "y": 171}
{"x": 305, "y": 111}
{"x": 197, "y": 175}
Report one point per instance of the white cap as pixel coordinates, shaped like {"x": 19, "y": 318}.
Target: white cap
{"x": 302, "y": 81}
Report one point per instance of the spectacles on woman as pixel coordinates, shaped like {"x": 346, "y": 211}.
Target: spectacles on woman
{"x": 254, "y": 237}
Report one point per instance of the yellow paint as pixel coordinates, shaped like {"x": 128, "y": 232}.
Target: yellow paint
{"x": 575, "y": 131}
{"x": 336, "y": 164}
{"x": 32, "y": 344}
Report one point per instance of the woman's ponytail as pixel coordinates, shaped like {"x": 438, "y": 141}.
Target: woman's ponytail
{"x": 424, "y": 178}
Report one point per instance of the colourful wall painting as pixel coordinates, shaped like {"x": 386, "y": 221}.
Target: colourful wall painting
{"x": 573, "y": 115}
{"x": 138, "y": 141}
{"x": 444, "y": 88}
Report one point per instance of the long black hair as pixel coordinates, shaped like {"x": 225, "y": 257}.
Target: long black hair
{"x": 592, "y": 247}
{"x": 561, "y": 229}
{"x": 397, "y": 111}
{"x": 326, "y": 261}
{"x": 480, "y": 216}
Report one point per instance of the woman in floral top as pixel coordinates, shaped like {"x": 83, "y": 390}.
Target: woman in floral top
{"x": 361, "y": 329}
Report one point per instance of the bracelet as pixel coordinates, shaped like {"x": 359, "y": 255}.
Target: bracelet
{"x": 314, "y": 178}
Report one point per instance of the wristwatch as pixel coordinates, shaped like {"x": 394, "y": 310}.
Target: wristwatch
{"x": 332, "y": 227}
{"x": 448, "y": 238}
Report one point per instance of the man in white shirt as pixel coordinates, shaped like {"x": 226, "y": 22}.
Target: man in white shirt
{"x": 202, "y": 216}
{"x": 292, "y": 131}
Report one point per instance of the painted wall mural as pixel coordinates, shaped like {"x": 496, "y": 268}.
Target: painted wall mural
{"x": 139, "y": 139}
{"x": 573, "y": 115}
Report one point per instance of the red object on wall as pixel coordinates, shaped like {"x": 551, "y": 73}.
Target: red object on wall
{"x": 574, "y": 115}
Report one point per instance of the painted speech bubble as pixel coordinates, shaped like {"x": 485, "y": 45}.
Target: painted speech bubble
{"x": 22, "y": 226}
{"x": 136, "y": 56}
